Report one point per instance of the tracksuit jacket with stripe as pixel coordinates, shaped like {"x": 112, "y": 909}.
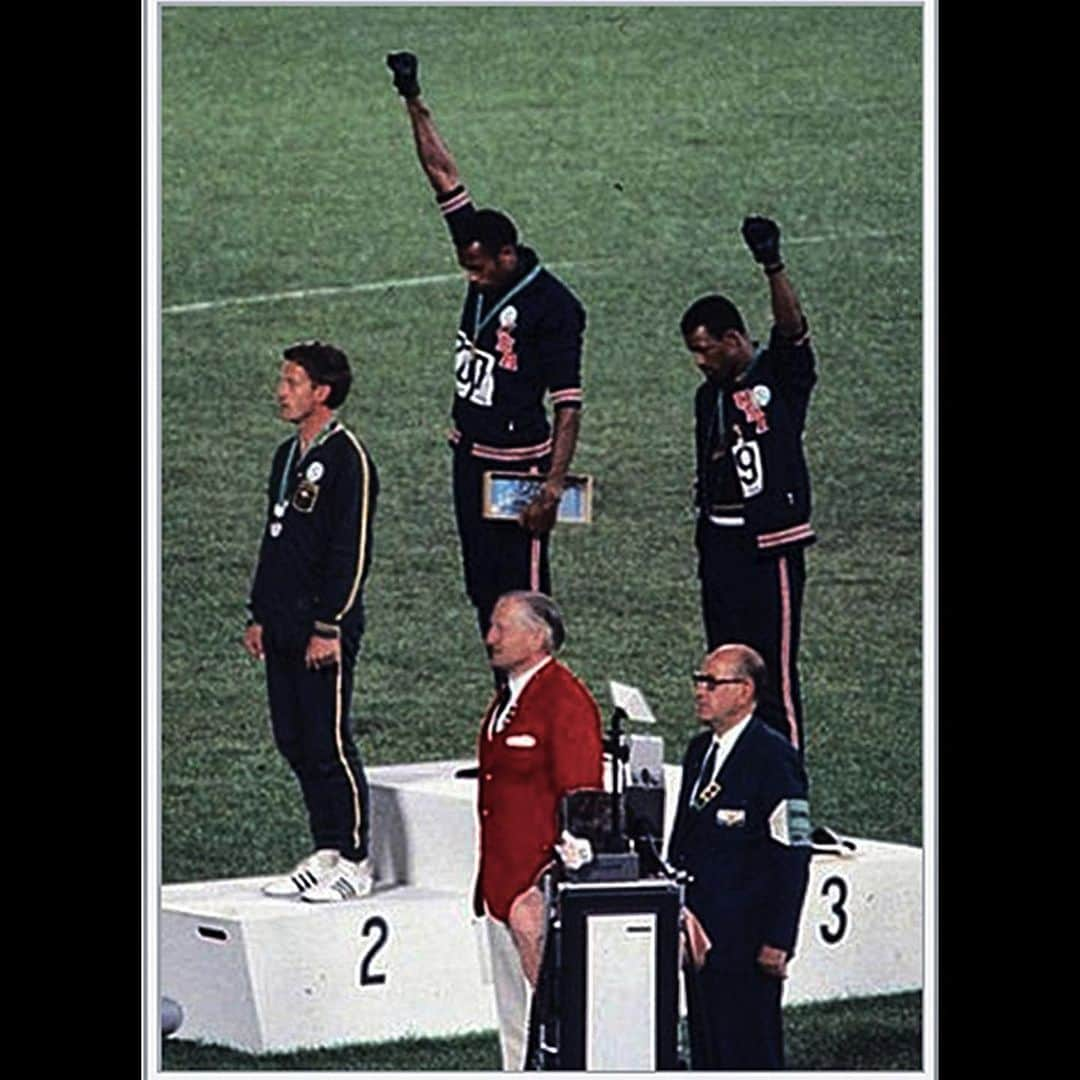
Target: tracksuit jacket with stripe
{"x": 315, "y": 557}
{"x": 750, "y": 460}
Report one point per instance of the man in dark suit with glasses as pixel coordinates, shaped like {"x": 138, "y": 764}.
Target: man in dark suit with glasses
{"x": 742, "y": 830}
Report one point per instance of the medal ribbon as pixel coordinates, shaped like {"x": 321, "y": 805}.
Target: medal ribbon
{"x": 320, "y": 438}
{"x": 478, "y": 323}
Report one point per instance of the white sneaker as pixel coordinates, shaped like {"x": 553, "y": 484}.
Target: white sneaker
{"x": 307, "y": 873}
{"x": 347, "y": 881}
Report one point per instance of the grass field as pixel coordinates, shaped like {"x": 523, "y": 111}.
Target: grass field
{"x": 627, "y": 143}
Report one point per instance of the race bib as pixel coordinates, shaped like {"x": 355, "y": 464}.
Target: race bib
{"x": 748, "y": 467}
{"x": 474, "y": 373}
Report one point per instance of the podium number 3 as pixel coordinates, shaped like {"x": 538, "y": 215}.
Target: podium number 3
{"x": 365, "y": 976}
{"x": 831, "y": 935}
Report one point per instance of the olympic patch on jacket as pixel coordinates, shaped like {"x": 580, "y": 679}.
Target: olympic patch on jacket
{"x": 750, "y": 402}
{"x": 504, "y": 338}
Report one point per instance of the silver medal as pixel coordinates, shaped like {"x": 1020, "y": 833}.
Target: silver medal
{"x": 275, "y": 529}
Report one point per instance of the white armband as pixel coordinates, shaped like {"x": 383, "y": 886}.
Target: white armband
{"x": 789, "y": 823}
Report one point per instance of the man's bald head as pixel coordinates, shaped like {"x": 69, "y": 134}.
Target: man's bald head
{"x": 728, "y": 686}
{"x": 744, "y": 662}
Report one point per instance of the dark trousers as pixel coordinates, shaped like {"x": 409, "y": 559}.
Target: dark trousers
{"x": 497, "y": 556}
{"x": 757, "y": 601}
{"x": 735, "y": 1021}
{"x": 309, "y": 715}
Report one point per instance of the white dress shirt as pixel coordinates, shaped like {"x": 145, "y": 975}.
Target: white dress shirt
{"x": 501, "y": 717}
{"x": 724, "y": 745}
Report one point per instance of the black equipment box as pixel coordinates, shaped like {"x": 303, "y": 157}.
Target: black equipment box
{"x": 612, "y": 988}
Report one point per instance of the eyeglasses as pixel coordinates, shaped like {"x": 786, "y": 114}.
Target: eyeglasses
{"x": 710, "y": 682}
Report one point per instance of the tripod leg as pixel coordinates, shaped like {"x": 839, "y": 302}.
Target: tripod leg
{"x": 542, "y": 1052}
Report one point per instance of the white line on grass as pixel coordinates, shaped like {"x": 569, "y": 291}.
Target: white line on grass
{"x": 870, "y": 234}
{"x": 303, "y": 294}
{"x": 437, "y": 279}
{"x": 334, "y": 290}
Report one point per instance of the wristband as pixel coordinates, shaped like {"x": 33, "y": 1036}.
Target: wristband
{"x": 770, "y": 270}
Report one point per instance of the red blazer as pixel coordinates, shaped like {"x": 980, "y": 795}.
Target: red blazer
{"x": 551, "y": 745}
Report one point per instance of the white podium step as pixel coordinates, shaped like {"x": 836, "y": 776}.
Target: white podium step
{"x": 423, "y": 825}
{"x": 260, "y": 974}
{"x": 861, "y": 929}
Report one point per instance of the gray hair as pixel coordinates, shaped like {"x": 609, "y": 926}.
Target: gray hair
{"x": 540, "y": 612}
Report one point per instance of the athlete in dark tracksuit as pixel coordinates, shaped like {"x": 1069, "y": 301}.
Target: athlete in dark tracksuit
{"x": 519, "y": 339}
{"x": 752, "y": 483}
{"x": 307, "y": 595}
{"x": 511, "y": 349}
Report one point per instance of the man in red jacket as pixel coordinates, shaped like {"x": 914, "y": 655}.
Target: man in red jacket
{"x": 541, "y": 737}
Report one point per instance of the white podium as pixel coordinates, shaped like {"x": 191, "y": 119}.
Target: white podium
{"x": 260, "y": 974}
{"x": 861, "y": 929}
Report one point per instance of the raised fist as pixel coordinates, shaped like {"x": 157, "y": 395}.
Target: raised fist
{"x": 405, "y": 67}
{"x": 762, "y": 236}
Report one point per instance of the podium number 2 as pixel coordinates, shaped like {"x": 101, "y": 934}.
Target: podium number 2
{"x": 367, "y": 977}
{"x": 831, "y": 935}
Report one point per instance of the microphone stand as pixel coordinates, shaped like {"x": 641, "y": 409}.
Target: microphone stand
{"x": 619, "y": 754}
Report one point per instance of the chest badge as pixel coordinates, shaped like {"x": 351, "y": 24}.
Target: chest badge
{"x": 305, "y": 496}
{"x": 750, "y": 405}
{"x": 314, "y": 472}
{"x": 504, "y": 338}
{"x": 706, "y": 795}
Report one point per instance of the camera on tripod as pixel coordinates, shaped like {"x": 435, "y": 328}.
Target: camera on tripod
{"x": 622, "y": 829}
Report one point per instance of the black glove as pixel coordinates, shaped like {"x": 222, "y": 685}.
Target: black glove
{"x": 762, "y": 236}
{"x": 405, "y": 67}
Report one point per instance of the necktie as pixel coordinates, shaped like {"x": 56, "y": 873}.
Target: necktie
{"x": 500, "y": 704}
{"x": 704, "y": 789}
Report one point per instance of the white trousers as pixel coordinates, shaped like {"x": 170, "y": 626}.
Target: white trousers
{"x": 513, "y": 995}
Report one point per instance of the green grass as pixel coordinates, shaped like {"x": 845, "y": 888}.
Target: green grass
{"x": 878, "y": 1034}
{"x": 628, "y": 142}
